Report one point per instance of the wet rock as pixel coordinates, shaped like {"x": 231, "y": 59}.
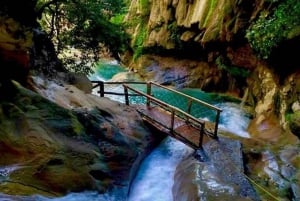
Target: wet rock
{"x": 270, "y": 160}
{"x": 294, "y": 123}
{"x": 220, "y": 177}
{"x": 287, "y": 171}
{"x": 287, "y": 156}
{"x": 295, "y": 191}
{"x": 289, "y": 153}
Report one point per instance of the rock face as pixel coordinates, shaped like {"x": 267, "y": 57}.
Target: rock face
{"x": 199, "y": 43}
{"x": 14, "y": 47}
{"x": 199, "y": 21}
{"x": 276, "y": 104}
{"x": 202, "y": 44}
{"x": 51, "y": 150}
{"x": 180, "y": 72}
{"x": 220, "y": 176}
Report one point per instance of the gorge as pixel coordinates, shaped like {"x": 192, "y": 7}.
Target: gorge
{"x": 57, "y": 138}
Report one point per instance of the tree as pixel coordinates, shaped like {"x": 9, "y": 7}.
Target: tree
{"x": 83, "y": 25}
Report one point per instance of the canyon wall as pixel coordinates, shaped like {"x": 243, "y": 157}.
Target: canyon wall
{"x": 203, "y": 44}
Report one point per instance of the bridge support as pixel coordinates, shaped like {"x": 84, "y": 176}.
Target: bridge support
{"x": 148, "y": 93}
{"x": 101, "y": 89}
{"x": 126, "y": 95}
{"x": 172, "y": 121}
{"x": 201, "y": 136}
{"x": 217, "y": 124}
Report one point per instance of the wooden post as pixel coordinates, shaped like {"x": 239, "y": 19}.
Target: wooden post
{"x": 201, "y": 135}
{"x": 188, "y": 109}
{"x": 189, "y": 106}
{"x": 172, "y": 120}
{"x": 126, "y": 95}
{"x": 101, "y": 91}
{"x": 148, "y": 93}
{"x": 217, "y": 124}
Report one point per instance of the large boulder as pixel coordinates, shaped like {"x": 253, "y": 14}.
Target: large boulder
{"x": 51, "y": 150}
{"x": 217, "y": 173}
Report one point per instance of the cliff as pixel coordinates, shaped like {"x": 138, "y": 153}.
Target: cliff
{"x": 55, "y": 135}
{"x": 248, "y": 49}
{"x": 209, "y": 45}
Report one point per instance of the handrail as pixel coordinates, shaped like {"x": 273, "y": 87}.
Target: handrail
{"x": 200, "y": 124}
{"x": 102, "y": 91}
{"x": 123, "y": 82}
{"x": 190, "y": 99}
{"x": 163, "y": 104}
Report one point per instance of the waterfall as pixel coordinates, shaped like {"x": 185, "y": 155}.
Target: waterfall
{"x": 233, "y": 119}
{"x": 154, "y": 180}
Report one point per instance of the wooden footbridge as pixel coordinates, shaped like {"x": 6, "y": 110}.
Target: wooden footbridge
{"x": 177, "y": 115}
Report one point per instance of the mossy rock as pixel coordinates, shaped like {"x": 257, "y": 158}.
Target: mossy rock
{"x": 294, "y": 123}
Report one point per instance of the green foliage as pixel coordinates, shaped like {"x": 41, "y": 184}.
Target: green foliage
{"x": 139, "y": 41}
{"x": 145, "y": 7}
{"x": 85, "y": 25}
{"x": 293, "y": 120}
{"x": 142, "y": 32}
{"x": 269, "y": 30}
{"x": 118, "y": 19}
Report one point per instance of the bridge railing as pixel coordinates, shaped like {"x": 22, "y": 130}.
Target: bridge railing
{"x": 187, "y": 104}
{"x": 104, "y": 88}
{"x": 193, "y": 106}
{"x": 174, "y": 112}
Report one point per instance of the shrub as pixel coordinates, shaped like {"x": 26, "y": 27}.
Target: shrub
{"x": 269, "y": 30}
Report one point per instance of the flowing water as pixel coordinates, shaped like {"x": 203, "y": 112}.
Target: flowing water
{"x": 154, "y": 179}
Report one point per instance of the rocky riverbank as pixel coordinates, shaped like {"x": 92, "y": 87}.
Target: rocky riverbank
{"x": 62, "y": 140}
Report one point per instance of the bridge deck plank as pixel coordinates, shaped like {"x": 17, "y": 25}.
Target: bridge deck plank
{"x": 192, "y": 134}
{"x": 182, "y": 131}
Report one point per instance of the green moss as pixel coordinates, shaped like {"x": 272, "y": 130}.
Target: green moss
{"x": 118, "y": 19}
{"x": 269, "y": 30}
{"x": 175, "y": 34}
{"x": 144, "y": 7}
{"x": 293, "y": 120}
{"x": 139, "y": 41}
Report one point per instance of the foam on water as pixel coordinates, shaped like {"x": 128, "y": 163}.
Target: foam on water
{"x": 233, "y": 119}
{"x": 5, "y": 171}
{"x": 154, "y": 180}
